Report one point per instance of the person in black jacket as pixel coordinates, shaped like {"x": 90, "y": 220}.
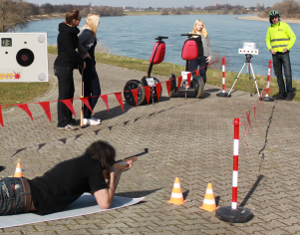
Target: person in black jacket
{"x": 64, "y": 183}
{"x": 87, "y": 43}
{"x": 67, "y": 60}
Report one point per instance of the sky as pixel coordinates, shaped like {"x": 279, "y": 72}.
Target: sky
{"x": 156, "y": 3}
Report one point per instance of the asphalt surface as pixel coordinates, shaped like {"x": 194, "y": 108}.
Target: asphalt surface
{"x": 187, "y": 138}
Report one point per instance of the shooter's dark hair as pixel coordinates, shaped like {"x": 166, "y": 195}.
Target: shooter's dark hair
{"x": 103, "y": 152}
{"x": 72, "y": 15}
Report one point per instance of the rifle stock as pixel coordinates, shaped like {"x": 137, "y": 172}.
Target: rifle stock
{"x": 120, "y": 164}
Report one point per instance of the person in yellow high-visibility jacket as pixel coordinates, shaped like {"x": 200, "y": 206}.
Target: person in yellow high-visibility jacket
{"x": 279, "y": 39}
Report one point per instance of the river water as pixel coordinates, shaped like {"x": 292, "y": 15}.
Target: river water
{"x": 133, "y": 36}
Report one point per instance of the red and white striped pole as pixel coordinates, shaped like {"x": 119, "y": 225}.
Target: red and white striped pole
{"x": 269, "y": 75}
{"x": 234, "y": 213}
{"x": 223, "y": 93}
{"x": 267, "y": 97}
{"x": 235, "y": 162}
{"x": 223, "y": 71}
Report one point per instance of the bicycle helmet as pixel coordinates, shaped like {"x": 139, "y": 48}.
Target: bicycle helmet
{"x": 273, "y": 14}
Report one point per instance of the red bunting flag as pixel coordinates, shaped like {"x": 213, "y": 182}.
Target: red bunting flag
{"x": 189, "y": 75}
{"x": 69, "y": 104}
{"x": 254, "y": 112}
{"x": 119, "y": 98}
{"x": 1, "y": 119}
{"x": 248, "y": 118}
{"x": 105, "y": 100}
{"x": 179, "y": 82}
{"x": 158, "y": 90}
{"x": 46, "y": 107}
{"x": 197, "y": 72}
{"x": 26, "y": 109}
{"x": 168, "y": 85}
{"x": 147, "y": 93}
{"x": 135, "y": 95}
{"x": 85, "y": 100}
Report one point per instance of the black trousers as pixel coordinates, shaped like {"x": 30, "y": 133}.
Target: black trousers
{"x": 66, "y": 90}
{"x": 91, "y": 85}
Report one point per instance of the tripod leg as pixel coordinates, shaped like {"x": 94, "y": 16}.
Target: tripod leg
{"x": 255, "y": 80}
{"x": 249, "y": 78}
{"x": 236, "y": 79}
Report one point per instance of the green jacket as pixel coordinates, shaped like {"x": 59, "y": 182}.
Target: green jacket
{"x": 280, "y": 36}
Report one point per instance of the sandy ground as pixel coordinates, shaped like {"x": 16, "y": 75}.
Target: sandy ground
{"x": 290, "y": 21}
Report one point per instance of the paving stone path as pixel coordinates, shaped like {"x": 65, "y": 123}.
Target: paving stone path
{"x": 187, "y": 138}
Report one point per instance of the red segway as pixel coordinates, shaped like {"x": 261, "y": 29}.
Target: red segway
{"x": 157, "y": 57}
{"x": 193, "y": 84}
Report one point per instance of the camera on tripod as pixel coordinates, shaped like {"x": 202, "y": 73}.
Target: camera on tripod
{"x": 249, "y": 49}
{"x": 23, "y": 57}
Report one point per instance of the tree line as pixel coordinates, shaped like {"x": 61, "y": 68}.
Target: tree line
{"x": 16, "y": 13}
{"x": 287, "y": 9}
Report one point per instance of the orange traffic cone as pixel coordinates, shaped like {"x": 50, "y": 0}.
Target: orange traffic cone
{"x": 18, "y": 172}
{"x": 176, "y": 196}
{"x": 209, "y": 203}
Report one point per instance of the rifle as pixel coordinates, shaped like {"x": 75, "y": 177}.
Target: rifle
{"x": 120, "y": 164}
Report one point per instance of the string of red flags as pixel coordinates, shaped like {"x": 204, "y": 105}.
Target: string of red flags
{"x": 85, "y": 100}
{"x": 147, "y": 93}
{"x": 105, "y": 100}
{"x": 168, "y": 85}
{"x": 46, "y": 107}
{"x": 118, "y": 95}
{"x": 247, "y": 114}
{"x": 25, "y": 108}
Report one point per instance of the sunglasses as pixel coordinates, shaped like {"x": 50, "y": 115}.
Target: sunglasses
{"x": 79, "y": 19}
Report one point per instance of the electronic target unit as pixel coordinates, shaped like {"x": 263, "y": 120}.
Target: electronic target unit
{"x": 23, "y": 57}
{"x": 249, "y": 49}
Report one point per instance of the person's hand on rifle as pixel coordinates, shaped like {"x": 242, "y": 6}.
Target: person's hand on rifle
{"x": 118, "y": 172}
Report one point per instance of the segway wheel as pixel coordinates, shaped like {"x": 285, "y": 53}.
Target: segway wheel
{"x": 130, "y": 85}
{"x": 153, "y": 94}
{"x": 173, "y": 87}
{"x": 198, "y": 84}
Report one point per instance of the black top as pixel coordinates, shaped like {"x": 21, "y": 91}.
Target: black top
{"x": 67, "y": 43}
{"x": 66, "y": 182}
{"x": 199, "y": 45}
{"x": 87, "y": 43}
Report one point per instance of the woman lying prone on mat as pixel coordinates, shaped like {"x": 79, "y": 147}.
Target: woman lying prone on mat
{"x": 64, "y": 183}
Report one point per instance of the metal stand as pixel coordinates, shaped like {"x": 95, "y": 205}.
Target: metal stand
{"x": 223, "y": 94}
{"x": 267, "y": 98}
{"x": 249, "y": 65}
{"x": 239, "y": 215}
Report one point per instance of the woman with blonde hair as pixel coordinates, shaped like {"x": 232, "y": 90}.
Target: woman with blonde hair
{"x": 87, "y": 41}
{"x": 204, "y": 49}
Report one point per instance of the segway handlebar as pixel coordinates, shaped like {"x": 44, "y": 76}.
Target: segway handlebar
{"x": 161, "y": 38}
{"x": 189, "y": 34}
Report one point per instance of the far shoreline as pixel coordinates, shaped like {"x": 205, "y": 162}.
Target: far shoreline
{"x": 256, "y": 18}
{"x": 253, "y": 18}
